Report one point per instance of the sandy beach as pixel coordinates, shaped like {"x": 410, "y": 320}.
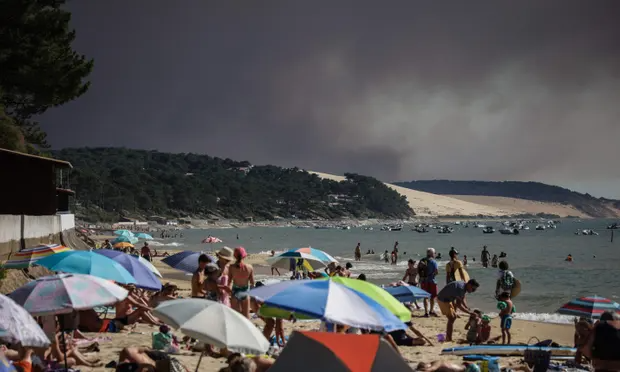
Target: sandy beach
{"x": 523, "y": 331}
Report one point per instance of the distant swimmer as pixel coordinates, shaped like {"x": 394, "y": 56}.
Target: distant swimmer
{"x": 494, "y": 261}
{"x": 502, "y": 255}
{"x": 438, "y": 256}
{"x": 464, "y": 260}
{"x": 569, "y": 258}
{"x": 358, "y": 253}
{"x": 395, "y": 254}
{"x": 485, "y": 256}
{"x": 386, "y": 256}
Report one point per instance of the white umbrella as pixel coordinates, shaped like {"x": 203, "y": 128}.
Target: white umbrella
{"x": 212, "y": 323}
{"x": 63, "y": 293}
{"x": 17, "y": 326}
{"x": 150, "y": 266}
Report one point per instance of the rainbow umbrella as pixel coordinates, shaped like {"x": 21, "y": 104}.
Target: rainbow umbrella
{"x": 315, "y": 253}
{"x": 589, "y": 307}
{"x": 29, "y": 256}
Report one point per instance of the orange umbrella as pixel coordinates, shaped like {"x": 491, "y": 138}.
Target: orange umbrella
{"x": 123, "y": 245}
{"x": 337, "y": 352}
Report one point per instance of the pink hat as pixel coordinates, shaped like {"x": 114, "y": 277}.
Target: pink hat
{"x": 240, "y": 253}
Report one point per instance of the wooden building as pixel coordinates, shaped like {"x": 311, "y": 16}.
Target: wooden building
{"x": 29, "y": 184}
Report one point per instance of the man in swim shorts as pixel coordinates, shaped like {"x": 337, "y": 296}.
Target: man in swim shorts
{"x": 506, "y": 308}
{"x": 451, "y": 298}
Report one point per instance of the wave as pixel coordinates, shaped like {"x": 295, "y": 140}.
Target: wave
{"x": 269, "y": 252}
{"x": 541, "y": 317}
{"x": 154, "y": 243}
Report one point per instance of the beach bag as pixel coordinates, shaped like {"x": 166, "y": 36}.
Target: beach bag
{"x": 537, "y": 359}
{"x": 422, "y": 268}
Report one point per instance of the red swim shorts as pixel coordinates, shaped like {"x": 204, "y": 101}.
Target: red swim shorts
{"x": 430, "y": 288}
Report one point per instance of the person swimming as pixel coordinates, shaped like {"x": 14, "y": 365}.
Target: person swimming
{"x": 569, "y": 258}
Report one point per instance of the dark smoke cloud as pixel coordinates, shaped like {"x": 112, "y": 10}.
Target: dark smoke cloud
{"x": 398, "y": 89}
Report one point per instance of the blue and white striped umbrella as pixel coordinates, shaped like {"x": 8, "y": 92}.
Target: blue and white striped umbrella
{"x": 185, "y": 261}
{"x": 407, "y": 293}
{"x": 330, "y": 302}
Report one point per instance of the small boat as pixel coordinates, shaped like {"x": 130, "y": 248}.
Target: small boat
{"x": 540, "y": 227}
{"x": 368, "y": 228}
{"x": 488, "y": 230}
{"x": 586, "y": 232}
{"x": 445, "y": 230}
{"x": 613, "y": 226}
{"x": 509, "y": 231}
{"x": 420, "y": 229}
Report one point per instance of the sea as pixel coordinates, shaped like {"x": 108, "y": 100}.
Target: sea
{"x": 537, "y": 258}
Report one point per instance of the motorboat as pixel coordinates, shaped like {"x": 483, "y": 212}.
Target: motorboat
{"x": 613, "y": 226}
{"x": 586, "y": 232}
{"x": 509, "y": 231}
{"x": 420, "y": 229}
{"x": 445, "y": 230}
{"x": 540, "y": 227}
{"x": 488, "y": 230}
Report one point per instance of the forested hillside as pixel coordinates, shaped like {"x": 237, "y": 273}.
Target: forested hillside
{"x": 116, "y": 181}
{"x": 536, "y": 191}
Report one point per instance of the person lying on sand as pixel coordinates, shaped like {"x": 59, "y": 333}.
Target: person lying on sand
{"x": 56, "y": 352}
{"x": 138, "y": 358}
{"x": 126, "y": 315}
{"x": 440, "y": 366}
{"x": 239, "y": 363}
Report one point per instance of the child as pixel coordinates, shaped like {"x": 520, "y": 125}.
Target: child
{"x": 473, "y": 326}
{"x": 506, "y": 308}
{"x": 484, "y": 334}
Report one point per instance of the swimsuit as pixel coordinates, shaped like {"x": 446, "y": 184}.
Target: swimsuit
{"x": 241, "y": 293}
{"x": 506, "y": 320}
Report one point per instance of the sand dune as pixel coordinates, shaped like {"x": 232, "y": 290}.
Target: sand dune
{"x": 523, "y": 206}
{"x": 427, "y": 204}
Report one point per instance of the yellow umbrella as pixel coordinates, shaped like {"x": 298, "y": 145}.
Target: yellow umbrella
{"x": 123, "y": 245}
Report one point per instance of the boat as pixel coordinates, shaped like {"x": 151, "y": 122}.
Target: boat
{"x": 613, "y": 226}
{"x": 368, "y": 228}
{"x": 445, "y": 230}
{"x": 509, "y": 231}
{"x": 540, "y": 227}
{"x": 392, "y": 228}
{"x": 420, "y": 229}
{"x": 586, "y": 232}
{"x": 488, "y": 230}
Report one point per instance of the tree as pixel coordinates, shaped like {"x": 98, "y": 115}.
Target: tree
{"x": 39, "y": 68}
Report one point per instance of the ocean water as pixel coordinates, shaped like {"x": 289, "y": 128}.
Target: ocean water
{"x": 535, "y": 257}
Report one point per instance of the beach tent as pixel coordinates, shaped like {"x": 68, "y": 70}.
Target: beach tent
{"x": 336, "y": 352}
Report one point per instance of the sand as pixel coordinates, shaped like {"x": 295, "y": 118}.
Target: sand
{"x": 522, "y": 331}
{"x": 429, "y": 205}
{"x": 523, "y": 206}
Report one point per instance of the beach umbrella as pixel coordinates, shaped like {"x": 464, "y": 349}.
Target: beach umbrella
{"x": 212, "y": 323}
{"x": 407, "y": 293}
{"x": 589, "y": 307}
{"x": 337, "y": 352}
{"x": 329, "y": 301}
{"x": 125, "y": 239}
{"x": 123, "y": 245}
{"x": 30, "y": 256}
{"x": 376, "y": 293}
{"x": 87, "y": 262}
{"x": 283, "y": 260}
{"x": 144, "y": 277}
{"x": 123, "y": 233}
{"x": 321, "y": 255}
{"x": 211, "y": 240}
{"x": 185, "y": 261}
{"x": 144, "y": 236}
{"x": 17, "y": 326}
{"x": 64, "y": 293}
{"x": 149, "y": 266}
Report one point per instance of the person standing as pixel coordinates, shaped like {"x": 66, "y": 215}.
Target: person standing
{"x": 358, "y": 253}
{"x": 485, "y": 257}
{"x": 198, "y": 279}
{"x": 427, "y": 271}
{"x": 452, "y": 297}
{"x": 411, "y": 277}
{"x": 505, "y": 279}
{"x": 395, "y": 254}
{"x": 241, "y": 280}
{"x": 453, "y": 266}
{"x": 145, "y": 252}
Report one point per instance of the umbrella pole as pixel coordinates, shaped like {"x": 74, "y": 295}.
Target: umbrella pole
{"x": 419, "y": 334}
{"x": 64, "y": 344}
{"x": 200, "y": 359}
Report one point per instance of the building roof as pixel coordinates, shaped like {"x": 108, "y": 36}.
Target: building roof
{"x": 57, "y": 162}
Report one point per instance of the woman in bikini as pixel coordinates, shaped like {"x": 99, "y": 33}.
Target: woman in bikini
{"x": 241, "y": 280}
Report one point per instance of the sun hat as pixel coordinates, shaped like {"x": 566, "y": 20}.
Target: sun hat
{"x": 240, "y": 253}
{"x": 225, "y": 253}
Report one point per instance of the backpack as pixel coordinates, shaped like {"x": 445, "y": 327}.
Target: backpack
{"x": 422, "y": 268}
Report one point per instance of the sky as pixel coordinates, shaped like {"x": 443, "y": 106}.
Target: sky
{"x": 396, "y": 89}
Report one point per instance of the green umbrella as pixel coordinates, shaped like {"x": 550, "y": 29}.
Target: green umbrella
{"x": 378, "y": 294}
